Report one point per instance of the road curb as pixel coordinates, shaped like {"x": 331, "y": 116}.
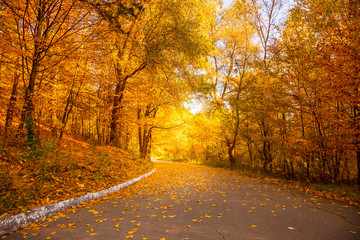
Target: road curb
{"x": 15, "y": 222}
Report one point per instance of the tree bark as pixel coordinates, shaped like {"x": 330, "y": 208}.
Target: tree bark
{"x": 117, "y": 100}
{"x": 145, "y": 130}
{"x": 12, "y": 102}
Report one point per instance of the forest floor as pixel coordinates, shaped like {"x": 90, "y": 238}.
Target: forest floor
{"x": 189, "y": 201}
{"x": 51, "y": 173}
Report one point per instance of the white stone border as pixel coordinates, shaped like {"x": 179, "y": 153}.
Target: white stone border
{"x": 15, "y": 222}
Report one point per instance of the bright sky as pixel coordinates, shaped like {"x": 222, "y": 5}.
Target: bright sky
{"x": 227, "y": 2}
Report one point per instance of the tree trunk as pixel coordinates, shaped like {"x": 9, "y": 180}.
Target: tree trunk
{"x": 28, "y": 111}
{"x": 145, "y": 130}
{"x": 12, "y": 102}
{"x": 115, "y": 116}
{"x": 250, "y": 153}
{"x": 357, "y": 137}
{"x": 231, "y": 146}
{"x": 231, "y": 157}
{"x": 266, "y": 149}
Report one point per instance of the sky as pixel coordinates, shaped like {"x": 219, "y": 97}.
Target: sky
{"x": 227, "y": 2}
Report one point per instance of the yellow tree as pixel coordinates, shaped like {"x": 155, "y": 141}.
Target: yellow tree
{"x": 144, "y": 33}
{"x": 266, "y": 15}
{"x": 40, "y": 29}
{"x": 231, "y": 74}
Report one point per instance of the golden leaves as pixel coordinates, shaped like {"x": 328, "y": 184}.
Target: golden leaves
{"x": 99, "y": 220}
{"x": 75, "y": 165}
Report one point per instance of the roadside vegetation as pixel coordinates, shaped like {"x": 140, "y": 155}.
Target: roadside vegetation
{"x": 339, "y": 191}
{"x": 336, "y": 191}
{"x": 48, "y": 173}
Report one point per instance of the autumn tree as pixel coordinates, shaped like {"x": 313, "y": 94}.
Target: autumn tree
{"x": 39, "y": 30}
{"x": 145, "y": 34}
{"x": 322, "y": 78}
{"x": 231, "y": 74}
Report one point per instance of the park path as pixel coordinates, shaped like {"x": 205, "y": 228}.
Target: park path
{"x": 192, "y": 202}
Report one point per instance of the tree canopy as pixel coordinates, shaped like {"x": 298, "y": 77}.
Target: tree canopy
{"x": 278, "y": 85}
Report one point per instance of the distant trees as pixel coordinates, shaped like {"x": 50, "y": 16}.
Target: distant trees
{"x": 285, "y": 97}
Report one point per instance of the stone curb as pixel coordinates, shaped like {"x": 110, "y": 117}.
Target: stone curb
{"x": 15, "y": 222}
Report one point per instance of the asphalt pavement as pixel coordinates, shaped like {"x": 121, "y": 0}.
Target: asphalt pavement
{"x": 191, "y": 202}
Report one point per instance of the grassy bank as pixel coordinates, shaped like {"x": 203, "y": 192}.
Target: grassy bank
{"x": 51, "y": 173}
{"x": 341, "y": 192}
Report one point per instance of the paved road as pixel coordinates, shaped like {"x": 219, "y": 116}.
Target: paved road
{"x": 190, "y": 202}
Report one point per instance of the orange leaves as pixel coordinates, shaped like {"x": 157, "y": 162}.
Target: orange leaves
{"x": 67, "y": 172}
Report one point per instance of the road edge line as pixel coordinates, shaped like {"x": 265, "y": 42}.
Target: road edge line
{"x": 21, "y": 220}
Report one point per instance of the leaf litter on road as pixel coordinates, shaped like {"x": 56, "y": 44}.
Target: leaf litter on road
{"x": 172, "y": 196}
